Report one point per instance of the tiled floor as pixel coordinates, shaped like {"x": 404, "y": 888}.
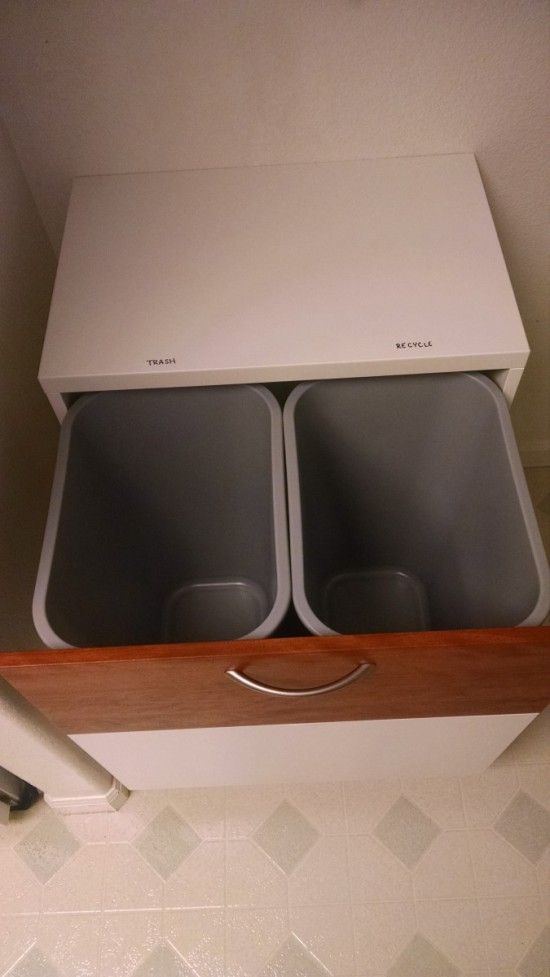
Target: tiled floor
{"x": 407, "y": 879}
{"x": 440, "y": 878}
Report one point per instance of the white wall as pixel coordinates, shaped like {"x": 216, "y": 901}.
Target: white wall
{"x": 96, "y": 86}
{"x": 28, "y": 429}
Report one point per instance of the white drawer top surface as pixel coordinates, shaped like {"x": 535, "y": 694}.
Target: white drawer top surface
{"x": 280, "y": 272}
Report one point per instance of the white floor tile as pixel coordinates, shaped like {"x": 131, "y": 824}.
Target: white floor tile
{"x": 376, "y": 874}
{"x": 543, "y": 870}
{"x": 421, "y": 957}
{"x": 202, "y": 808}
{"x": 252, "y": 879}
{"x": 78, "y": 885}
{"x": 89, "y": 828}
{"x": 200, "y": 879}
{"x": 328, "y": 932}
{"x": 199, "y": 935}
{"x": 455, "y": 927}
{"x": 126, "y": 940}
{"x": 71, "y": 943}
{"x": 510, "y": 927}
{"x": 439, "y": 799}
{"x": 367, "y": 803}
{"x": 246, "y": 808}
{"x": 321, "y": 878}
{"x": 500, "y": 870}
{"x": 34, "y": 963}
{"x": 253, "y": 936}
{"x": 17, "y": 935}
{"x": 445, "y": 871}
{"x": 130, "y": 883}
{"x": 486, "y": 795}
{"x": 20, "y": 890}
{"x": 535, "y": 780}
{"x": 294, "y": 959}
{"x": 321, "y": 804}
{"x": 545, "y": 895}
{"x": 382, "y": 931}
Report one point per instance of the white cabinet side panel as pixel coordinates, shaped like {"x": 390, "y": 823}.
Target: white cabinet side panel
{"x": 310, "y": 752}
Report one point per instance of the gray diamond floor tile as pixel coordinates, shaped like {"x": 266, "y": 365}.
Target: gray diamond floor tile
{"x": 47, "y": 847}
{"x": 294, "y": 960}
{"x": 407, "y": 831}
{"x": 526, "y": 825}
{"x": 166, "y": 842}
{"x": 286, "y": 836}
{"x": 536, "y": 963}
{"x": 33, "y": 964}
{"x": 163, "y": 961}
{"x": 421, "y": 959}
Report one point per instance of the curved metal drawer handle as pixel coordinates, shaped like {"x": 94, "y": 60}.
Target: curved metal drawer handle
{"x": 297, "y": 693}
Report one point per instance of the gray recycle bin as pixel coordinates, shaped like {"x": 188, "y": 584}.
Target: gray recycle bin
{"x": 408, "y": 507}
{"x": 167, "y": 520}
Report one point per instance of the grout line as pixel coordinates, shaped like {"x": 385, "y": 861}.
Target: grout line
{"x": 484, "y": 939}
{"x": 348, "y": 867}
{"x": 42, "y": 900}
{"x": 542, "y": 904}
{"x": 71, "y": 912}
{"x": 14, "y": 964}
{"x": 286, "y": 793}
{"x": 442, "y": 831}
{"x": 254, "y": 907}
{"x": 100, "y": 944}
{"x": 403, "y": 793}
{"x": 103, "y": 883}
{"x": 116, "y": 912}
{"x": 23, "y": 914}
{"x": 225, "y": 915}
{"x": 99, "y": 950}
{"x": 251, "y": 907}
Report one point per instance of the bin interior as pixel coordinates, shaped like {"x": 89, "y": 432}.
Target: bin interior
{"x": 413, "y": 506}
{"x": 166, "y": 519}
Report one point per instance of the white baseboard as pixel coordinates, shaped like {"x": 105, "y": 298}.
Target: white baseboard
{"x": 92, "y": 804}
{"x": 535, "y": 454}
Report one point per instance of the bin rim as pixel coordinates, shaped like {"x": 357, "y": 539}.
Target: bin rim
{"x": 280, "y": 533}
{"x": 306, "y": 614}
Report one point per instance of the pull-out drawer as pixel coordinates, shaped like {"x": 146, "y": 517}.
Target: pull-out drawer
{"x": 445, "y": 673}
{"x": 102, "y": 695}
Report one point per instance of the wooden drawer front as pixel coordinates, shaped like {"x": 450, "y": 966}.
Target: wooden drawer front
{"x": 183, "y": 686}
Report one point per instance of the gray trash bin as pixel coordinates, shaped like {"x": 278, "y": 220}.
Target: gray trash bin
{"x": 167, "y": 519}
{"x": 408, "y": 507}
